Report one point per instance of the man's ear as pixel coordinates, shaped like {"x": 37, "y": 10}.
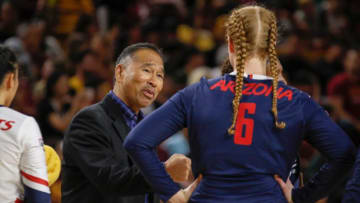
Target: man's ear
{"x": 119, "y": 71}
{"x": 231, "y": 45}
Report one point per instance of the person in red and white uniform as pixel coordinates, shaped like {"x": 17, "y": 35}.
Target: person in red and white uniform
{"x": 23, "y": 174}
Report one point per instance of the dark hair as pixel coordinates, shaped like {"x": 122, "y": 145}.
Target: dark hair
{"x": 130, "y": 50}
{"x": 78, "y": 57}
{"x": 51, "y": 82}
{"x": 304, "y": 77}
{"x": 84, "y": 22}
{"x": 8, "y": 62}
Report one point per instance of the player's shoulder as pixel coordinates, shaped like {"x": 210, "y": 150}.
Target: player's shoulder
{"x": 206, "y": 84}
{"x": 16, "y": 123}
{"x": 9, "y": 114}
{"x": 203, "y": 84}
{"x": 91, "y": 112}
{"x": 212, "y": 81}
{"x": 91, "y": 109}
{"x": 298, "y": 94}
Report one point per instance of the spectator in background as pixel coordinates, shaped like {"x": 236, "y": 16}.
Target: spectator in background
{"x": 87, "y": 69}
{"x": 104, "y": 50}
{"x": 333, "y": 19}
{"x": 344, "y": 90}
{"x": 308, "y": 82}
{"x": 56, "y": 110}
{"x": 290, "y": 55}
{"x": 329, "y": 64}
{"x": 68, "y": 14}
{"x": 9, "y": 20}
{"x": 87, "y": 26}
{"x": 33, "y": 46}
{"x": 39, "y": 88}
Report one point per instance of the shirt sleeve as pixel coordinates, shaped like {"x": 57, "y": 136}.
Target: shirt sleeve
{"x": 159, "y": 125}
{"x": 334, "y": 144}
{"x": 33, "y": 167}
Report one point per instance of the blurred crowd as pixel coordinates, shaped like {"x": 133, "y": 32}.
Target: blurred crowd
{"x": 67, "y": 50}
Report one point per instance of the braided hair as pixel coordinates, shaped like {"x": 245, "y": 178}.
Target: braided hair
{"x": 253, "y": 31}
{"x": 274, "y": 70}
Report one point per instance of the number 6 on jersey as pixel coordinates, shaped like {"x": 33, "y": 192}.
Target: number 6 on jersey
{"x": 247, "y": 123}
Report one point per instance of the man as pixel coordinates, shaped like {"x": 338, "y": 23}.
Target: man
{"x": 96, "y": 166}
{"x": 23, "y": 175}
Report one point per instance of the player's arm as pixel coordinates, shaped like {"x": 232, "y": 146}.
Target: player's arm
{"x": 33, "y": 164}
{"x": 141, "y": 142}
{"x": 334, "y": 144}
{"x": 91, "y": 151}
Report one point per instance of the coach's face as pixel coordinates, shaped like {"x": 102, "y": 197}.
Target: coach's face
{"x": 140, "y": 79}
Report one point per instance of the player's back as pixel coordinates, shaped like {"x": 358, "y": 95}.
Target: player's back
{"x": 18, "y": 134}
{"x": 243, "y": 163}
{"x": 241, "y": 167}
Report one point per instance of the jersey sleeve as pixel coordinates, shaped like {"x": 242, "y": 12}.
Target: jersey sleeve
{"x": 334, "y": 144}
{"x": 33, "y": 164}
{"x": 155, "y": 128}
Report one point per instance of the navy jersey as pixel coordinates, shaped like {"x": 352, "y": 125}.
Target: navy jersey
{"x": 240, "y": 167}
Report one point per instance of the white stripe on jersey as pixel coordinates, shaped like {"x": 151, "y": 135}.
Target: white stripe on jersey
{"x": 36, "y": 186}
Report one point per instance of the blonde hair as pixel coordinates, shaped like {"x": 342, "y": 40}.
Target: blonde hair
{"x": 253, "y": 31}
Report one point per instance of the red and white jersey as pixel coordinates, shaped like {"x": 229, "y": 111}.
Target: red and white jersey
{"x": 22, "y": 156}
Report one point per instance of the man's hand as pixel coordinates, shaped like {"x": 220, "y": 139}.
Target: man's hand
{"x": 286, "y": 187}
{"x": 178, "y": 167}
{"x": 184, "y": 195}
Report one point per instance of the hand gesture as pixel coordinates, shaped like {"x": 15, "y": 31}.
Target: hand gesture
{"x": 184, "y": 195}
{"x": 178, "y": 167}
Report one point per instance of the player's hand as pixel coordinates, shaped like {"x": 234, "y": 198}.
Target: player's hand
{"x": 178, "y": 167}
{"x": 184, "y": 195}
{"x": 286, "y": 187}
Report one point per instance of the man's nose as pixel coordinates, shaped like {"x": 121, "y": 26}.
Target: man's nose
{"x": 153, "y": 81}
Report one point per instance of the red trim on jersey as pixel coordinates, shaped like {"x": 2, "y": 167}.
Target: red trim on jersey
{"x": 19, "y": 201}
{"x": 34, "y": 179}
